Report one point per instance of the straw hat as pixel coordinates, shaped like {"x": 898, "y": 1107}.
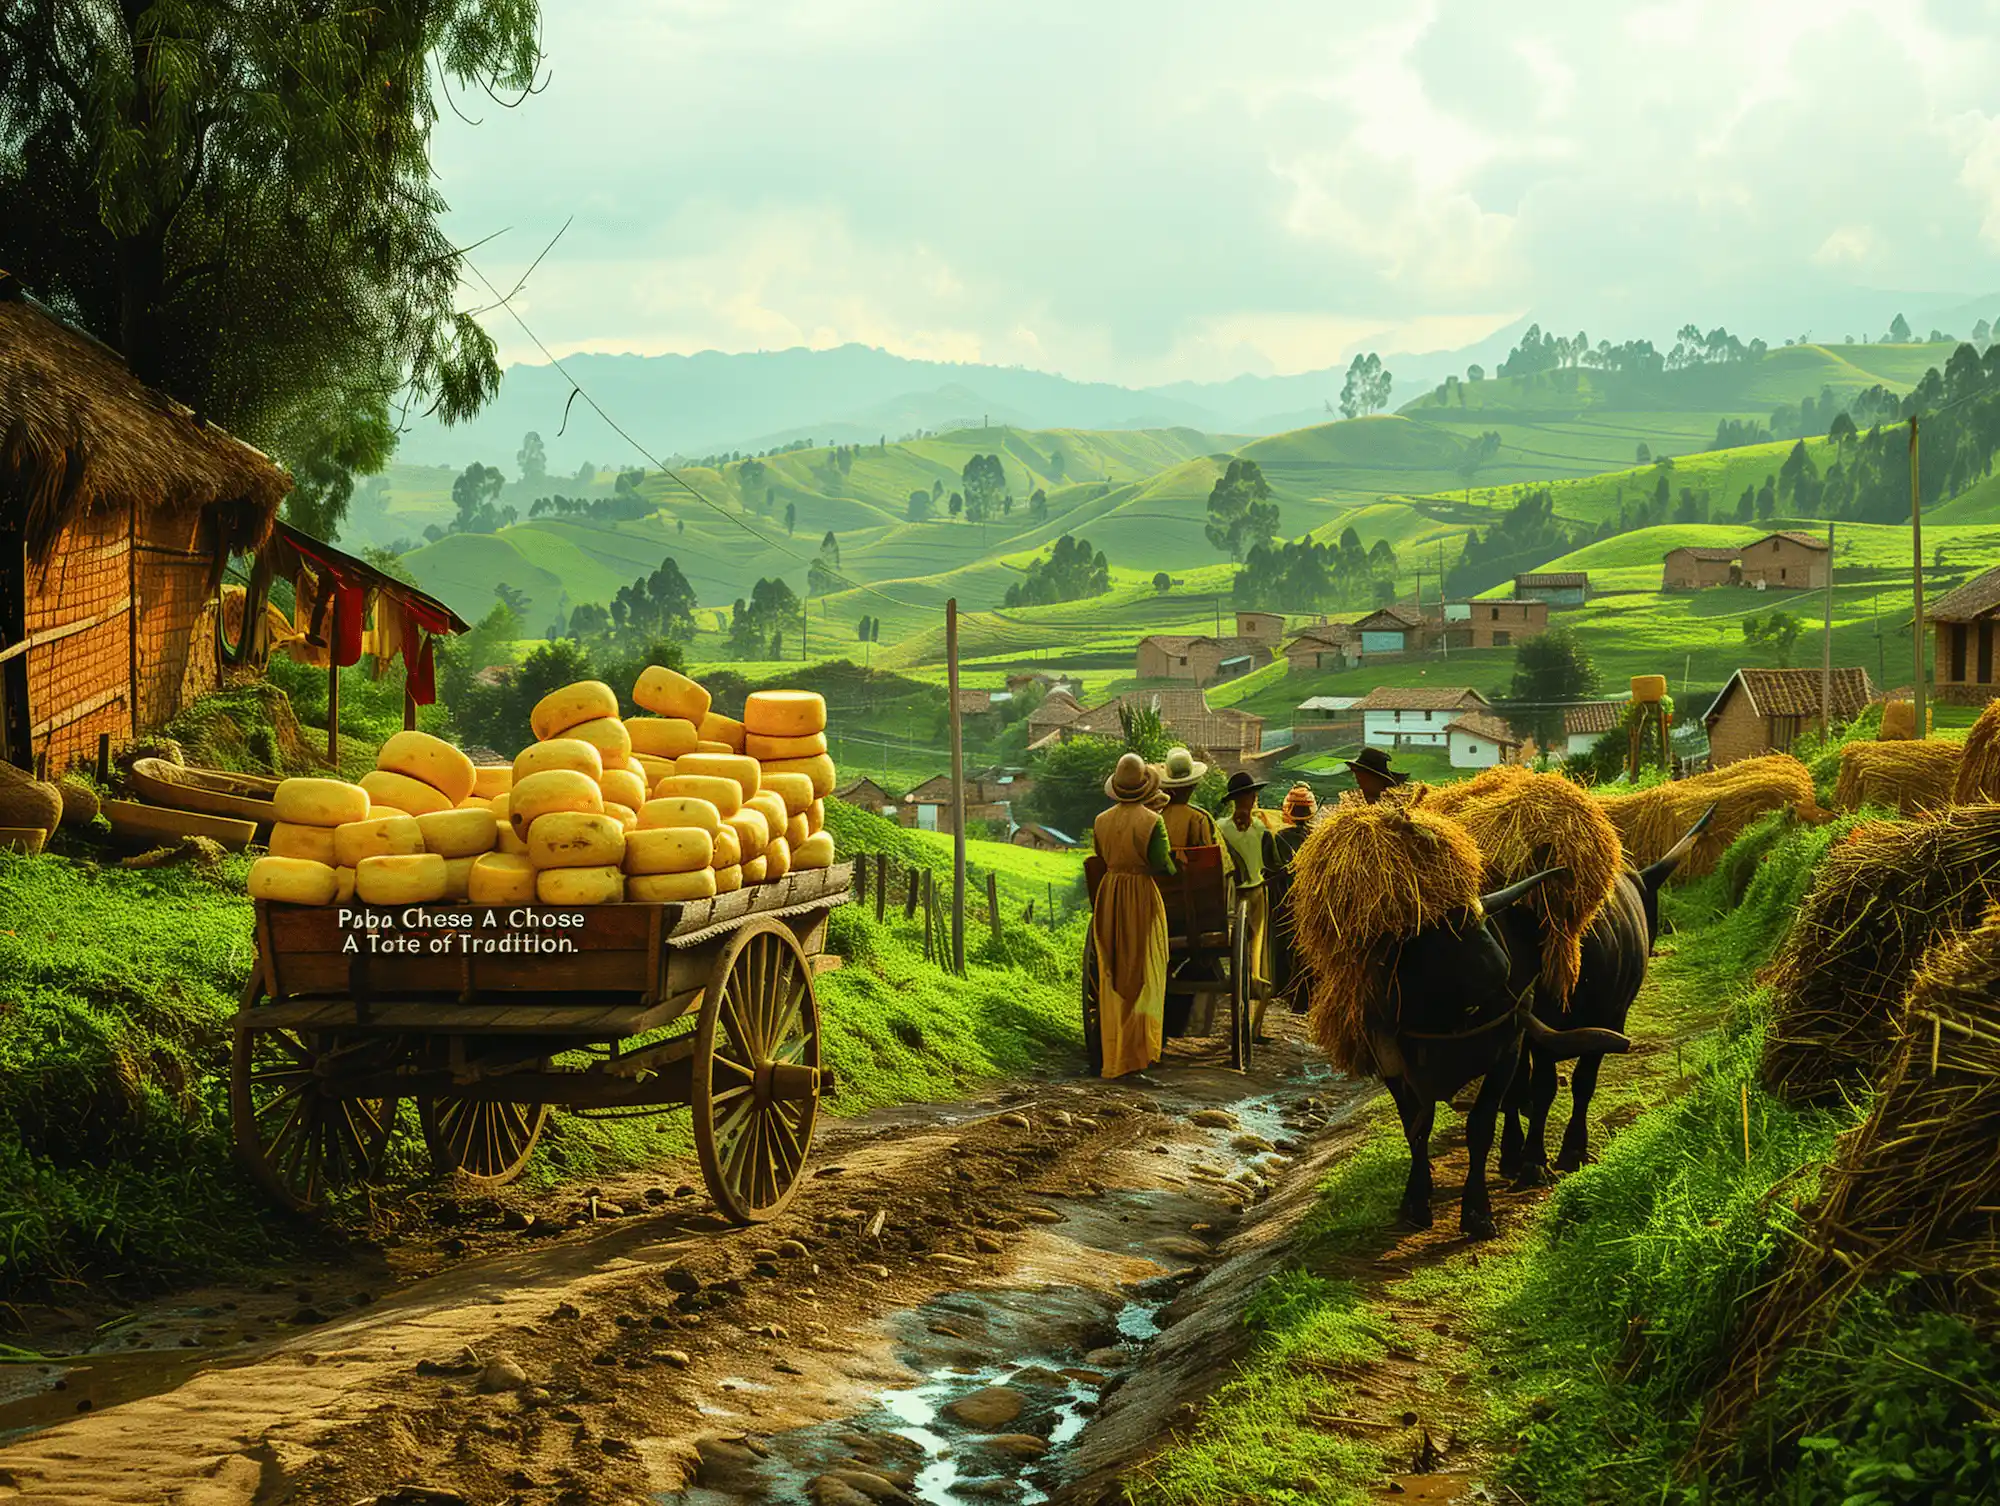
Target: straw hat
{"x": 1182, "y": 770}
{"x": 1133, "y": 781}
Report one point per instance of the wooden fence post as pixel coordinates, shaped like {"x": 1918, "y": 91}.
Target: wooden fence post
{"x": 1052, "y": 905}
{"x": 916, "y": 893}
{"x": 930, "y": 910}
{"x": 104, "y": 758}
{"x": 993, "y": 904}
{"x": 881, "y": 885}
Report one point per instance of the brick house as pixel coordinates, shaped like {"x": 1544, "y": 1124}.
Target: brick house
{"x": 1224, "y": 736}
{"x": 1561, "y": 588}
{"x": 1963, "y": 622}
{"x": 118, "y": 510}
{"x": 867, "y": 795}
{"x": 1479, "y": 742}
{"x": 1327, "y": 721}
{"x": 1763, "y": 710}
{"x": 1395, "y": 716}
{"x": 1040, "y": 838}
{"x": 1493, "y": 624}
{"x": 1694, "y": 567}
{"x": 1584, "y": 725}
{"x": 1058, "y": 709}
{"x": 1390, "y": 632}
{"x": 1787, "y": 561}
{"x": 1262, "y": 629}
{"x": 1200, "y": 658}
{"x": 1332, "y": 645}
{"x": 928, "y": 806}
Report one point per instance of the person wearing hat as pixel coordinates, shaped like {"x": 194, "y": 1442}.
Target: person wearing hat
{"x": 1128, "y": 921}
{"x": 1188, "y": 825}
{"x": 1247, "y": 840}
{"x": 1287, "y": 976}
{"x": 1372, "y": 774}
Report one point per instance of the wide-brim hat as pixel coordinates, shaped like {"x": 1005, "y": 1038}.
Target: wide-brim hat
{"x": 1132, "y": 781}
{"x": 1181, "y": 770}
{"x": 1299, "y": 795}
{"x": 1241, "y": 783}
{"x": 1375, "y": 761}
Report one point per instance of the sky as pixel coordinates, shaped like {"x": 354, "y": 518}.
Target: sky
{"x": 1159, "y": 192}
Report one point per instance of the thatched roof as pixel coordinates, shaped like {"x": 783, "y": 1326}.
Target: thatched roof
{"x": 1969, "y": 602}
{"x": 1421, "y": 698}
{"x": 1795, "y": 692}
{"x": 78, "y": 432}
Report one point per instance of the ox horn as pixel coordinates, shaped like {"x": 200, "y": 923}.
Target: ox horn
{"x": 1561, "y": 1045}
{"x": 1656, "y": 874}
{"x": 1500, "y": 899}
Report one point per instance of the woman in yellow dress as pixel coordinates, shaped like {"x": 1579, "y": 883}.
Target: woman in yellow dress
{"x": 1128, "y": 925}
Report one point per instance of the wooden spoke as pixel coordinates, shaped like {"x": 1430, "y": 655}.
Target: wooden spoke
{"x": 488, "y": 1141}
{"x": 294, "y": 1131}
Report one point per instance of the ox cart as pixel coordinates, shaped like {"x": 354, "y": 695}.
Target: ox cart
{"x": 489, "y": 1016}
{"x": 1207, "y": 943}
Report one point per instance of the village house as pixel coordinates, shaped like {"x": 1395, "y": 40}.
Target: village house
{"x": 867, "y": 795}
{"x": 118, "y": 511}
{"x": 1584, "y": 725}
{"x": 1561, "y": 588}
{"x": 1694, "y": 567}
{"x": 1479, "y": 742}
{"x": 1493, "y": 624}
{"x": 1040, "y": 838}
{"x": 1391, "y": 632}
{"x": 1224, "y": 736}
{"x": 1035, "y": 679}
{"x": 1331, "y": 645}
{"x": 1962, "y": 621}
{"x": 1395, "y": 716}
{"x": 928, "y": 806}
{"x": 1783, "y": 561}
{"x": 1058, "y": 709}
{"x": 1264, "y": 630}
{"x": 1763, "y": 710}
{"x": 1327, "y": 721}
{"x": 1205, "y": 660}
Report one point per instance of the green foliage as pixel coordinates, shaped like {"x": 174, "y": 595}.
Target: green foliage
{"x": 759, "y": 626}
{"x": 1367, "y": 387}
{"x": 1778, "y": 631}
{"x": 985, "y": 485}
{"x": 1071, "y": 572}
{"x": 1305, "y": 576}
{"x": 1241, "y": 514}
{"x": 1550, "y": 669}
{"x": 1069, "y": 782}
{"x": 1527, "y": 534}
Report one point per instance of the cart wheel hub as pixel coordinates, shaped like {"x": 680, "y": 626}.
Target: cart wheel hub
{"x": 785, "y": 1082}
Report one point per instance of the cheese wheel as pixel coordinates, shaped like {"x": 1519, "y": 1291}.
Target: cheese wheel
{"x": 401, "y": 792}
{"x": 384, "y": 812}
{"x": 726, "y": 795}
{"x": 552, "y": 790}
{"x": 319, "y": 802}
{"x": 747, "y": 772}
{"x": 402, "y": 879}
{"x": 458, "y": 876}
{"x": 606, "y": 734}
{"x": 377, "y": 837}
{"x": 580, "y": 886}
{"x": 819, "y": 770}
{"x": 652, "y": 769}
{"x": 797, "y": 829}
{"x": 490, "y": 779}
{"x": 661, "y": 736}
{"x": 728, "y": 880}
{"x": 752, "y": 830}
{"x": 796, "y": 790}
{"x": 500, "y": 878}
{"x": 728, "y": 847}
{"x": 571, "y": 753}
{"x": 755, "y": 871}
{"x": 716, "y": 728}
{"x": 293, "y": 881}
{"x": 560, "y": 710}
{"x": 624, "y": 815}
{"x": 759, "y": 746}
{"x": 778, "y": 858}
{"x": 314, "y": 843}
{"x": 669, "y": 849}
{"x": 775, "y": 814}
{"x": 509, "y": 839}
{"x": 476, "y": 803}
{"x": 816, "y": 816}
{"x": 431, "y": 760}
{"x": 459, "y": 834}
{"x": 705, "y": 746}
{"x": 575, "y": 839}
{"x": 668, "y": 692}
{"x": 815, "y": 852}
{"x": 784, "y": 713}
{"x": 625, "y": 787}
{"x": 679, "y": 810}
{"x": 343, "y": 891}
{"x": 670, "y": 888}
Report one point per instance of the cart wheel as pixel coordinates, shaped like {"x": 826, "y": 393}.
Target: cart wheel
{"x": 1093, "y": 1029}
{"x": 1241, "y": 990}
{"x": 485, "y": 1140}
{"x": 297, "y": 1138}
{"x": 756, "y": 1072}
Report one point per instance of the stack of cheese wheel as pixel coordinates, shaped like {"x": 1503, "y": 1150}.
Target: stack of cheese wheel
{"x": 304, "y": 866}
{"x": 785, "y": 731}
{"x": 572, "y": 838}
{"x": 674, "y": 707}
{"x": 421, "y": 782}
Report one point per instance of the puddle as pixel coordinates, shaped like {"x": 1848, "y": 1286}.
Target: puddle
{"x": 40, "y": 1395}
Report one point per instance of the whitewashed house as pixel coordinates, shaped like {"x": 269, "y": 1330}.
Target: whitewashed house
{"x": 1414, "y": 717}
{"x": 1584, "y": 725}
{"x": 1480, "y": 742}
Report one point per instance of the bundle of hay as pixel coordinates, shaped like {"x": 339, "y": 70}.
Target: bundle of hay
{"x": 1913, "y": 777}
{"x": 1899, "y": 721}
{"x": 1882, "y": 898}
{"x": 1367, "y": 878}
{"x": 1979, "y": 765}
{"x": 1650, "y": 821}
{"x": 1526, "y": 822}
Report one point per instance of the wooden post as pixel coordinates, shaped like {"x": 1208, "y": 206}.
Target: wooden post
{"x": 1052, "y": 905}
{"x": 861, "y": 882}
{"x": 881, "y": 885}
{"x": 1918, "y": 627}
{"x": 42, "y": 764}
{"x": 910, "y": 900}
{"x": 993, "y": 903}
{"x": 930, "y": 909}
{"x": 104, "y": 758}
{"x": 957, "y": 790}
{"x": 1826, "y": 646}
{"x": 332, "y": 677}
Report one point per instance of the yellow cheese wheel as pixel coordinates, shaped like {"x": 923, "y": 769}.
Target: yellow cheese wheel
{"x": 784, "y": 713}
{"x": 726, "y": 795}
{"x": 377, "y": 837}
{"x": 716, "y": 728}
{"x": 778, "y": 858}
{"x": 509, "y": 839}
{"x": 668, "y": 692}
{"x": 796, "y": 790}
{"x": 728, "y": 847}
{"x": 575, "y": 839}
{"x": 797, "y": 829}
{"x": 320, "y": 802}
{"x": 670, "y": 888}
{"x": 476, "y": 803}
{"x": 752, "y": 830}
{"x": 747, "y": 772}
{"x": 401, "y": 792}
{"x": 819, "y": 770}
{"x": 343, "y": 879}
{"x": 580, "y": 886}
{"x": 624, "y": 815}
{"x": 759, "y": 746}
{"x": 773, "y": 807}
{"x": 402, "y": 879}
{"x": 459, "y": 834}
{"x": 293, "y": 881}
{"x": 383, "y": 812}
{"x": 754, "y": 871}
{"x": 458, "y": 877}
{"x": 571, "y": 753}
{"x": 728, "y": 880}
{"x": 661, "y": 736}
{"x": 815, "y": 852}
{"x": 314, "y": 843}
{"x": 606, "y": 734}
{"x": 500, "y": 878}
{"x": 560, "y": 710}
{"x": 680, "y": 810}
{"x": 668, "y": 849}
{"x": 490, "y": 779}
{"x": 816, "y": 816}
{"x": 430, "y": 759}
{"x": 652, "y": 769}
{"x": 552, "y": 790}
{"x": 625, "y": 787}
{"x": 705, "y": 746}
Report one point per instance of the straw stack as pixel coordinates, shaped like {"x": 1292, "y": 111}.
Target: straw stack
{"x": 1979, "y": 766}
{"x": 1912, "y": 777}
{"x": 1650, "y": 821}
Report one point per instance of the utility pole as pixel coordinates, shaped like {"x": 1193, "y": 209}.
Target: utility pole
{"x": 1826, "y": 643}
{"x": 957, "y": 790}
{"x": 1917, "y": 584}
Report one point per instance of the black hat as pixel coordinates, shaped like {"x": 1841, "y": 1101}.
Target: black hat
{"x": 1240, "y": 783}
{"x": 1375, "y": 761}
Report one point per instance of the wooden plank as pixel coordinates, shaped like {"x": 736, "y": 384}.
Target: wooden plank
{"x": 319, "y": 928}
{"x": 827, "y": 962}
{"x": 591, "y": 1019}
{"x": 57, "y": 634}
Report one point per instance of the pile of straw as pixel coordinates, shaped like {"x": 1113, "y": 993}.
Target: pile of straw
{"x": 1368, "y": 877}
{"x": 1526, "y": 822}
{"x": 1881, "y": 899}
{"x": 1912, "y": 777}
{"x": 1650, "y": 821}
{"x": 1979, "y": 766}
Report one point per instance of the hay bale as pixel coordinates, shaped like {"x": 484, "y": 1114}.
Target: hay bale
{"x": 1914, "y": 778}
{"x": 1367, "y": 878}
{"x": 1881, "y": 899}
{"x": 1979, "y": 765}
{"x": 1899, "y": 721}
{"x": 1650, "y": 821}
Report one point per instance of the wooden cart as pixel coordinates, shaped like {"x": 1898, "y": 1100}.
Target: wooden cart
{"x": 488, "y": 1016}
{"x": 1207, "y": 938}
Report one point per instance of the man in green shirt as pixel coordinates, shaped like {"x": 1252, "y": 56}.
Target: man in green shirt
{"x": 1247, "y": 840}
